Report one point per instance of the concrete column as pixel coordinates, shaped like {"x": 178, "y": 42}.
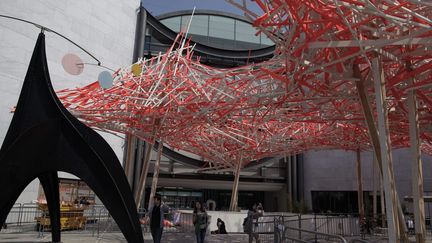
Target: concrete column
{"x": 294, "y": 179}
{"x": 137, "y": 163}
{"x": 289, "y": 182}
{"x": 132, "y": 162}
{"x": 171, "y": 166}
{"x": 140, "y": 33}
{"x": 360, "y": 186}
{"x": 374, "y": 188}
{"x": 129, "y": 158}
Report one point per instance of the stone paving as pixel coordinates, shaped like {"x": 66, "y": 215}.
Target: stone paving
{"x": 117, "y": 237}
{"x": 167, "y": 237}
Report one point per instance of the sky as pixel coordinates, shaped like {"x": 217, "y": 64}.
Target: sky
{"x": 157, "y": 7}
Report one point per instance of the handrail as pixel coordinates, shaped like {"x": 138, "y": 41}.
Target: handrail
{"x": 295, "y": 239}
{"x": 359, "y": 240}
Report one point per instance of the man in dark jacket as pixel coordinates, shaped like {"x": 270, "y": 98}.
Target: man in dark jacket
{"x": 156, "y": 216}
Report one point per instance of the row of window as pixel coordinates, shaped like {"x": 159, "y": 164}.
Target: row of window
{"x": 217, "y": 27}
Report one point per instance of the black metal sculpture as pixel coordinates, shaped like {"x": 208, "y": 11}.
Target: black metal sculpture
{"x": 44, "y": 138}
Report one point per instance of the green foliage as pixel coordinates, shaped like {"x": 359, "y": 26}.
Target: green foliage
{"x": 299, "y": 207}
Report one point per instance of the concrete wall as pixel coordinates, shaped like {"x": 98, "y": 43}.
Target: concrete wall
{"x": 233, "y": 220}
{"x": 105, "y": 28}
{"x": 335, "y": 170}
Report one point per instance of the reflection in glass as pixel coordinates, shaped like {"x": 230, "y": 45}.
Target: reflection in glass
{"x": 172, "y": 23}
{"x": 221, "y": 27}
{"x": 245, "y": 32}
{"x": 199, "y": 25}
{"x": 265, "y": 41}
{"x": 219, "y": 32}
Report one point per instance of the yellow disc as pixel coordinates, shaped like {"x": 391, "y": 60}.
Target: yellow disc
{"x": 136, "y": 69}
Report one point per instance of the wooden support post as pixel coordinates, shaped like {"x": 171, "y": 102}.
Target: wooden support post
{"x": 360, "y": 186}
{"x": 289, "y": 182}
{"x": 373, "y": 132}
{"x": 416, "y": 165}
{"x": 367, "y": 111}
{"x": 386, "y": 157}
{"x": 140, "y": 188}
{"x": 143, "y": 177}
{"x": 156, "y": 173}
{"x": 234, "y": 194}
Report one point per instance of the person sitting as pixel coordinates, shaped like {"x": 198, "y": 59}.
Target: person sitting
{"x": 221, "y": 227}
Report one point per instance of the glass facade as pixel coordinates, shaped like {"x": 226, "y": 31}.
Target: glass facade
{"x": 173, "y": 23}
{"x": 185, "y": 198}
{"x": 219, "y": 31}
{"x": 221, "y": 27}
{"x": 342, "y": 202}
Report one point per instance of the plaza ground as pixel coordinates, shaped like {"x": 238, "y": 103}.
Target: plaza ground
{"x": 168, "y": 237}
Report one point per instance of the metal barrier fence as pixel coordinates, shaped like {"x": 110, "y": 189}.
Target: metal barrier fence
{"x": 283, "y": 228}
{"x": 298, "y": 229}
{"x": 95, "y": 220}
{"x": 21, "y": 218}
{"x": 264, "y": 227}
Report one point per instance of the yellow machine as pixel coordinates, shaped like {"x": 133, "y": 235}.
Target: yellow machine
{"x": 75, "y": 197}
{"x": 71, "y": 217}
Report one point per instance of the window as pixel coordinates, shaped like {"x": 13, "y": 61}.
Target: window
{"x": 265, "y": 41}
{"x": 147, "y": 42}
{"x": 172, "y": 23}
{"x": 221, "y": 27}
{"x": 198, "y": 26}
{"x": 219, "y": 32}
{"x": 246, "y": 32}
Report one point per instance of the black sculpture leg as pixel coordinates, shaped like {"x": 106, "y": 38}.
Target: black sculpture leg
{"x": 51, "y": 188}
{"x": 13, "y": 181}
{"x": 95, "y": 163}
{"x": 6, "y": 202}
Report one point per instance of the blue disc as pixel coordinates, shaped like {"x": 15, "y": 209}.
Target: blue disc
{"x": 105, "y": 79}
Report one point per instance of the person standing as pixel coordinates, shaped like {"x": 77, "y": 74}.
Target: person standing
{"x": 253, "y": 214}
{"x": 156, "y": 216}
{"x": 200, "y": 219}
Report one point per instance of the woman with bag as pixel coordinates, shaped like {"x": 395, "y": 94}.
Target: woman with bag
{"x": 200, "y": 218}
